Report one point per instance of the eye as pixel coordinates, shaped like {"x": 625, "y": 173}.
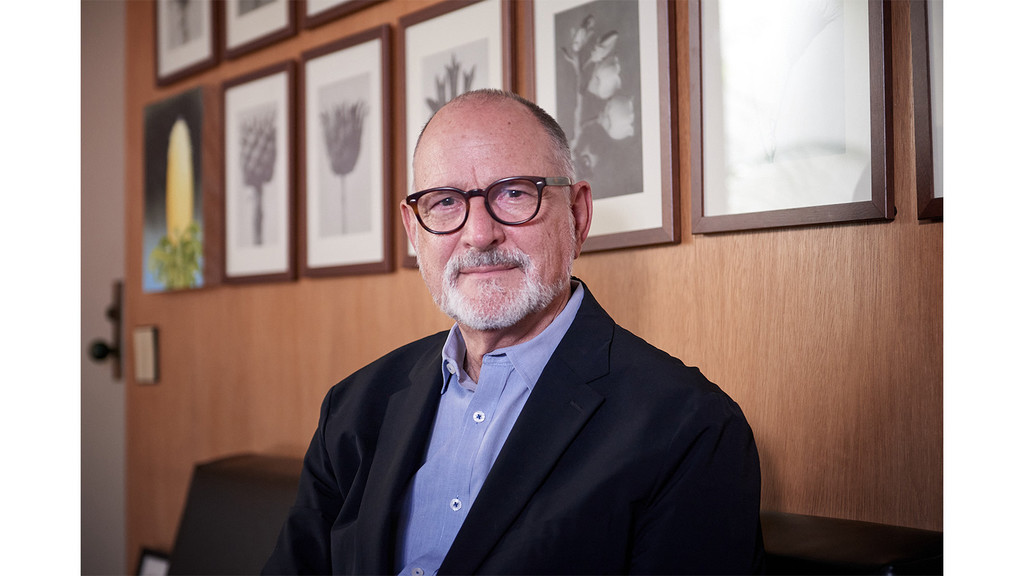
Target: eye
{"x": 441, "y": 200}
{"x": 515, "y": 192}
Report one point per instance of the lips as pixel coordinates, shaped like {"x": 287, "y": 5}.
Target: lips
{"x": 486, "y": 269}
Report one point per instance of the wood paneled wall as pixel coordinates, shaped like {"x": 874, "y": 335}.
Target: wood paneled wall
{"x": 829, "y": 337}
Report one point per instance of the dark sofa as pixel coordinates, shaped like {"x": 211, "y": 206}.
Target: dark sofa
{"x": 236, "y": 506}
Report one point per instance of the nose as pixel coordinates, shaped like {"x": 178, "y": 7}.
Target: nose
{"x": 481, "y": 231}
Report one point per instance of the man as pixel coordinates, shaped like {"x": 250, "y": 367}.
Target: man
{"x": 536, "y": 436}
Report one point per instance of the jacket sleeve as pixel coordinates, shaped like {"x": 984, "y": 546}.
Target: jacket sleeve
{"x": 303, "y": 546}
{"x": 704, "y": 518}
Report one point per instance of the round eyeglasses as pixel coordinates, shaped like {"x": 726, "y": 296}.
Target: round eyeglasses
{"x": 510, "y": 201}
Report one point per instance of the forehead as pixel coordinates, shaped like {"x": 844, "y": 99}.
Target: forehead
{"x": 473, "y": 144}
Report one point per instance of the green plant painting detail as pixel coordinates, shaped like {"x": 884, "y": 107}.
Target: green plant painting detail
{"x": 175, "y": 264}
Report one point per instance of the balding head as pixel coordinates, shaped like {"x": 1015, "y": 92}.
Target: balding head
{"x": 557, "y": 142}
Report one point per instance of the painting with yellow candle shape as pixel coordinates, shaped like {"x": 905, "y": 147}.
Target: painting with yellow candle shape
{"x": 173, "y": 221}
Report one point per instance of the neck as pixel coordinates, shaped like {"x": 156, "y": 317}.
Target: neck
{"x": 481, "y": 342}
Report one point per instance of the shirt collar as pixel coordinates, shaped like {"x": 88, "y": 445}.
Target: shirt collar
{"x": 528, "y": 358}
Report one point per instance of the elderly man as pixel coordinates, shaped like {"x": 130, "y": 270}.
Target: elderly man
{"x": 536, "y": 436}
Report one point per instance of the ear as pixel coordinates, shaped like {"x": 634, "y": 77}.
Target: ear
{"x": 411, "y": 225}
{"x": 581, "y": 203}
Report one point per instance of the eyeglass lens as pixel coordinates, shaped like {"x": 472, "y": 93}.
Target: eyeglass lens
{"x": 510, "y": 202}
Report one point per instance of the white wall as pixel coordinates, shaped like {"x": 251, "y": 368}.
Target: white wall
{"x": 103, "y": 398}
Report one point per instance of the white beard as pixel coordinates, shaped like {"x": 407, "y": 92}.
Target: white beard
{"x": 494, "y": 306}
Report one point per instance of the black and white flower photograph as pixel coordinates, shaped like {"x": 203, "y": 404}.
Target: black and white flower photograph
{"x": 597, "y": 63}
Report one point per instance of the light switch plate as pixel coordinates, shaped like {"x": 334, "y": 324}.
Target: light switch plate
{"x": 146, "y": 356}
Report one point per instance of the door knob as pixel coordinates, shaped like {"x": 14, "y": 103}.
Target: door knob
{"x": 100, "y": 350}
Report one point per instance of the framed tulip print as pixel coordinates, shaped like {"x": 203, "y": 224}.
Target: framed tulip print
{"x": 606, "y": 72}
{"x": 258, "y": 175}
{"x": 445, "y": 50}
{"x": 186, "y": 38}
{"x": 790, "y": 113}
{"x": 253, "y": 24}
{"x": 344, "y": 210}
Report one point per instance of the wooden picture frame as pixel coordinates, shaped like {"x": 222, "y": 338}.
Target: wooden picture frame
{"x": 152, "y": 563}
{"x": 803, "y": 132}
{"x": 317, "y": 12}
{"x": 457, "y": 36}
{"x": 186, "y": 39}
{"x": 253, "y": 24}
{"x": 926, "y": 60}
{"x": 607, "y": 73}
{"x": 180, "y": 231}
{"x": 259, "y": 167}
{"x": 345, "y": 216}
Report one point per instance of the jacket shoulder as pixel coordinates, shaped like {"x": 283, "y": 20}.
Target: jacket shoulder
{"x": 368, "y": 389}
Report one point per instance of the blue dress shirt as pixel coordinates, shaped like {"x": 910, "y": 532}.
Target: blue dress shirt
{"x": 473, "y": 420}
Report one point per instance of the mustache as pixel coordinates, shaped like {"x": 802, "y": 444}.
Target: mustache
{"x": 495, "y": 257}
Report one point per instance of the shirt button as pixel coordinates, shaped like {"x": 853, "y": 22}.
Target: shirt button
{"x": 451, "y": 368}
{"x": 478, "y": 417}
{"x": 417, "y": 572}
{"x": 456, "y": 504}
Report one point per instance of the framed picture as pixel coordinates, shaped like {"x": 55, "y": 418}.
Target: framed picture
{"x": 606, "y": 72}
{"x": 790, "y": 114}
{"x": 926, "y": 57}
{"x": 152, "y": 563}
{"x": 317, "y": 12}
{"x": 258, "y": 175}
{"x": 344, "y": 212}
{"x": 252, "y": 24}
{"x": 186, "y": 38}
{"x": 176, "y": 238}
{"x": 443, "y": 51}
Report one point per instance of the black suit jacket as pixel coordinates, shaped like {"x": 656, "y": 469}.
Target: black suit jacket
{"x": 623, "y": 460}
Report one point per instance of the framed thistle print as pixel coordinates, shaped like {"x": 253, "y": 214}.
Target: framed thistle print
{"x": 253, "y": 24}
{"x": 790, "y": 114}
{"x": 186, "y": 38}
{"x": 258, "y": 175}
{"x": 443, "y": 51}
{"x": 345, "y": 209}
{"x": 606, "y": 72}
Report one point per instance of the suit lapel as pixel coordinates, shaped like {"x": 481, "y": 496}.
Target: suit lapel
{"x": 400, "y": 448}
{"x": 560, "y": 405}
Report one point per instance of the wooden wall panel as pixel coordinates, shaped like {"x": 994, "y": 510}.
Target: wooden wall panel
{"x": 829, "y": 337}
